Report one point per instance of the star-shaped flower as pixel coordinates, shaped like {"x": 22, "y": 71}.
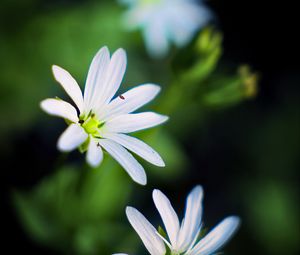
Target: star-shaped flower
{"x": 166, "y": 21}
{"x": 100, "y": 121}
{"x": 182, "y": 238}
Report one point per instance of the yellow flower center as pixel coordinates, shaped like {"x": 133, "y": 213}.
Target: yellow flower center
{"x": 91, "y": 125}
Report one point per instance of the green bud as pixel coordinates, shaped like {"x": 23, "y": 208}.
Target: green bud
{"x": 206, "y": 55}
{"x": 250, "y": 81}
{"x": 208, "y": 40}
{"x": 230, "y": 90}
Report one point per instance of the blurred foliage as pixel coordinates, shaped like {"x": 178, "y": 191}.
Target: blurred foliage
{"x": 274, "y": 216}
{"x": 271, "y": 193}
{"x": 77, "y": 210}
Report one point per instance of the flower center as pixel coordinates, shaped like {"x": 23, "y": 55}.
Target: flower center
{"x": 91, "y": 125}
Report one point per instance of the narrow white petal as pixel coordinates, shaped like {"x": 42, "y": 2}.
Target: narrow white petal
{"x": 146, "y": 232}
{"x": 94, "y": 153}
{"x": 216, "y": 238}
{"x": 168, "y": 215}
{"x": 138, "y": 147}
{"x": 130, "y": 101}
{"x": 113, "y": 78}
{"x": 128, "y": 123}
{"x": 192, "y": 219}
{"x": 126, "y": 160}
{"x": 94, "y": 86}
{"x": 71, "y": 138}
{"x": 59, "y": 108}
{"x": 69, "y": 84}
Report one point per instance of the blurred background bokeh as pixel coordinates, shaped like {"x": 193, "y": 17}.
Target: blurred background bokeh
{"x": 233, "y": 97}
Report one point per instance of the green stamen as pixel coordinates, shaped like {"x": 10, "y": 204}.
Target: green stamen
{"x": 91, "y": 124}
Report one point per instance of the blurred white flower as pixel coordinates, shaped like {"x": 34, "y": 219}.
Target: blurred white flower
{"x": 166, "y": 21}
{"x": 99, "y": 121}
{"x": 182, "y": 238}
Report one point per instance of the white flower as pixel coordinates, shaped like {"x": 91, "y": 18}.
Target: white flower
{"x": 99, "y": 121}
{"x": 166, "y": 21}
{"x": 182, "y": 238}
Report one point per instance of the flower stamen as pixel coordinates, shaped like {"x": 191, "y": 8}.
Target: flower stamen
{"x": 92, "y": 125}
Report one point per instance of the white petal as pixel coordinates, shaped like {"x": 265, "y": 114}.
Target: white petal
{"x": 59, "y": 108}
{"x": 216, "y": 238}
{"x": 146, "y": 232}
{"x": 167, "y": 214}
{"x": 184, "y": 26}
{"x": 155, "y": 36}
{"x": 136, "y": 18}
{"x": 128, "y": 123}
{"x": 192, "y": 219}
{"x": 138, "y": 147}
{"x": 130, "y": 101}
{"x": 71, "y": 138}
{"x": 94, "y": 86}
{"x": 69, "y": 84}
{"x": 113, "y": 78}
{"x": 94, "y": 154}
{"x": 126, "y": 160}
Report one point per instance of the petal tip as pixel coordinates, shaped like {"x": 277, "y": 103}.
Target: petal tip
{"x": 61, "y": 147}
{"x": 55, "y": 69}
{"x": 156, "y": 88}
{"x": 129, "y": 211}
{"x": 198, "y": 188}
{"x": 161, "y": 164}
{"x": 159, "y": 161}
{"x": 165, "y": 118}
{"x": 143, "y": 182}
{"x": 234, "y": 220}
{"x": 93, "y": 164}
{"x": 43, "y": 104}
{"x": 104, "y": 50}
{"x": 156, "y": 193}
{"x": 121, "y": 54}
